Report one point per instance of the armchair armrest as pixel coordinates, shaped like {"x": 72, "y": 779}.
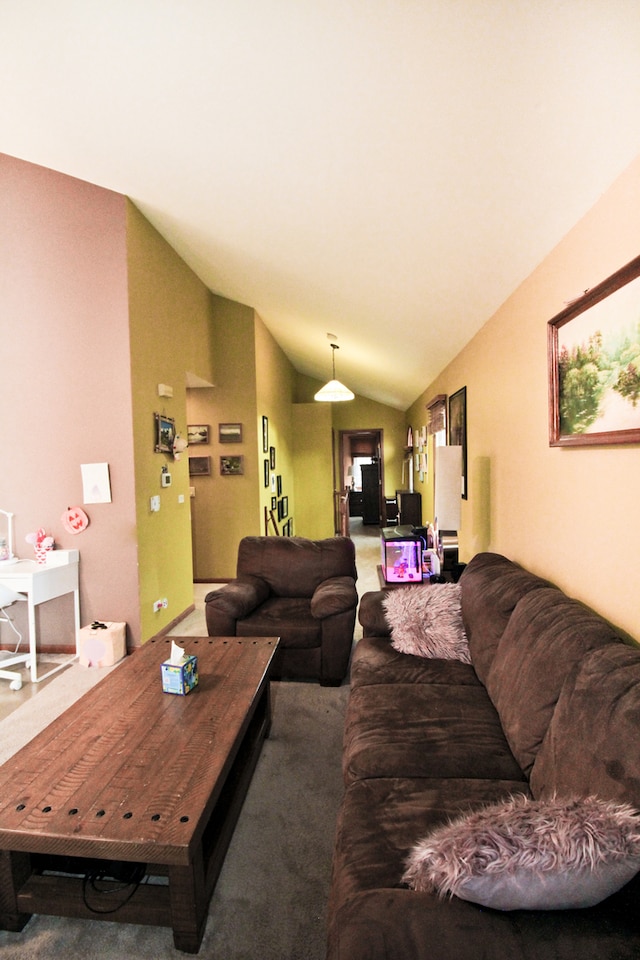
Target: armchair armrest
{"x": 238, "y": 598}
{"x": 335, "y": 595}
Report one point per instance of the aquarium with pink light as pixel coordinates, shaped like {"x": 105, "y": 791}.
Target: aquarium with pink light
{"x": 401, "y": 556}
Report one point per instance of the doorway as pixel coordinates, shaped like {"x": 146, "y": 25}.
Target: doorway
{"x": 361, "y": 471}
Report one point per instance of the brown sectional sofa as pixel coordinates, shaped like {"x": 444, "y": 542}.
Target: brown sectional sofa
{"x": 550, "y": 706}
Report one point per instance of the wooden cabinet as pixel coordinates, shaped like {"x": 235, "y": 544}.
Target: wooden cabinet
{"x": 371, "y": 493}
{"x": 409, "y": 508}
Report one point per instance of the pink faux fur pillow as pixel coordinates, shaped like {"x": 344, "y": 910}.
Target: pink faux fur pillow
{"x": 531, "y": 854}
{"x": 427, "y": 621}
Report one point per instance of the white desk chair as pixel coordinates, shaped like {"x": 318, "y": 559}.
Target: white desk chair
{"x": 7, "y": 657}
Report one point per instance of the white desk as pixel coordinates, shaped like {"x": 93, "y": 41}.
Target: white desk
{"x": 42, "y": 582}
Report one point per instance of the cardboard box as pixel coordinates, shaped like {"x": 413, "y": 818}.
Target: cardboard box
{"x": 102, "y": 644}
{"x": 179, "y": 678}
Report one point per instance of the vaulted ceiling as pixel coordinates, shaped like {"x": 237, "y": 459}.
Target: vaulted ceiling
{"x": 387, "y": 171}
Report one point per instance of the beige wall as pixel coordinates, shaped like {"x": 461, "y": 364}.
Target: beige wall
{"x": 569, "y": 514}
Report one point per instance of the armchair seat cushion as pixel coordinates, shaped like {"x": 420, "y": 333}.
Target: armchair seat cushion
{"x": 302, "y": 630}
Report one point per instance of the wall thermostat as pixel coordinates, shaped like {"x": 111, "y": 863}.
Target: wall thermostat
{"x": 165, "y": 479}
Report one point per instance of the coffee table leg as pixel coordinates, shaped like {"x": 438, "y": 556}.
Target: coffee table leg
{"x": 189, "y": 905}
{"x": 15, "y": 869}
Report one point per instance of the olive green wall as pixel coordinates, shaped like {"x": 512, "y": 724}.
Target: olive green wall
{"x": 227, "y": 508}
{"x": 274, "y": 389}
{"x": 170, "y": 313}
{"x": 363, "y": 414}
{"x": 569, "y": 514}
{"x": 313, "y": 470}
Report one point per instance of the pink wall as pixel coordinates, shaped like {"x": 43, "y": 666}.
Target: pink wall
{"x": 65, "y": 390}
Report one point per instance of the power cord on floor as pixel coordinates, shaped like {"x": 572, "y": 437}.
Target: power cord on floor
{"x": 120, "y": 876}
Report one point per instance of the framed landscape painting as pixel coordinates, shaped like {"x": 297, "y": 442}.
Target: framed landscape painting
{"x": 594, "y": 364}
{"x": 197, "y": 433}
{"x": 230, "y": 432}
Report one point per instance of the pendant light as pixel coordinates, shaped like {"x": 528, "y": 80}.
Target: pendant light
{"x": 334, "y": 391}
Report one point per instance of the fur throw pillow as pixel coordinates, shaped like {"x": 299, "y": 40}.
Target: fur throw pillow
{"x": 427, "y": 621}
{"x": 531, "y": 854}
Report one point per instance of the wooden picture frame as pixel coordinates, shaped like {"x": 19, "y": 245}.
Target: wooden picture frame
{"x": 230, "y": 433}
{"x": 265, "y": 434}
{"x": 199, "y": 466}
{"x": 458, "y": 431}
{"x": 594, "y": 364}
{"x": 165, "y": 433}
{"x": 197, "y": 433}
{"x": 231, "y": 466}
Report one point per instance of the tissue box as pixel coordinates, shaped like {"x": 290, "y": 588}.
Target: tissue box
{"x": 180, "y": 678}
{"x": 102, "y": 646}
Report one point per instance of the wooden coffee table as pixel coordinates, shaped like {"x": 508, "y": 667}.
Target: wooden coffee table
{"x": 131, "y": 775}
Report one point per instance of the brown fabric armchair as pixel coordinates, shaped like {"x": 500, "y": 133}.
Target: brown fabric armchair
{"x": 302, "y": 591}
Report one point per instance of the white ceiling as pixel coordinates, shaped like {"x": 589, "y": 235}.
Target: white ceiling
{"x": 387, "y": 171}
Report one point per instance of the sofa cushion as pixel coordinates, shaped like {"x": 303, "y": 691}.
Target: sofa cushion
{"x": 400, "y": 924}
{"x": 379, "y": 821}
{"x": 491, "y": 586}
{"x": 372, "y": 616}
{"x": 523, "y": 854}
{"x": 376, "y": 661}
{"x": 427, "y": 621}
{"x": 373, "y": 916}
{"x": 547, "y": 636}
{"x": 593, "y": 742}
{"x": 302, "y": 630}
{"x": 425, "y": 730}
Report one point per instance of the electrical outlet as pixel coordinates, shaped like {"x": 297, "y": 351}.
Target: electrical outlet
{"x": 157, "y": 605}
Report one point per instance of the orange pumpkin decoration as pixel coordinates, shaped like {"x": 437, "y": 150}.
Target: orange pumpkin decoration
{"x": 74, "y": 520}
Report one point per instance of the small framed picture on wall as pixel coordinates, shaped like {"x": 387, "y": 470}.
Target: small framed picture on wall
{"x": 199, "y": 466}
{"x": 231, "y": 466}
{"x": 197, "y": 433}
{"x": 230, "y": 432}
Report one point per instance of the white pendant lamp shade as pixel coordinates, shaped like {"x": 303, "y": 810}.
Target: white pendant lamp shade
{"x": 334, "y": 391}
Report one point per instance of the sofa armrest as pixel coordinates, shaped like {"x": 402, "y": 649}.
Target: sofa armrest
{"x": 371, "y": 615}
{"x": 335, "y": 595}
{"x": 238, "y": 598}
